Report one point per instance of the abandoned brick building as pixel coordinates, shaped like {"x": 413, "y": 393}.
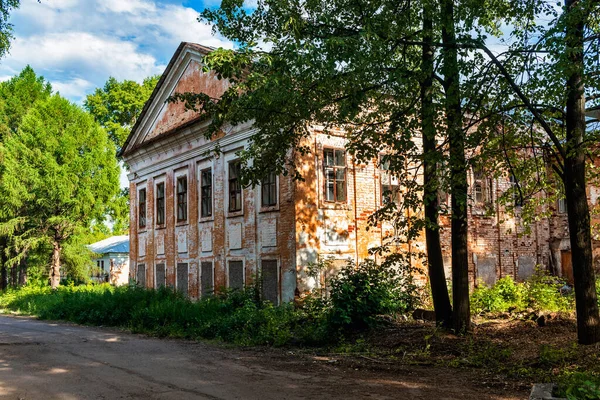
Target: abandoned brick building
{"x": 194, "y": 227}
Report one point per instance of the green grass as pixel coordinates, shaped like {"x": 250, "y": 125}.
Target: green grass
{"x": 233, "y": 317}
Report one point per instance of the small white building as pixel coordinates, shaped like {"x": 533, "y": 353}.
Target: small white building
{"x": 112, "y": 260}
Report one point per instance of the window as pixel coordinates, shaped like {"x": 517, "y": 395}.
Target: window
{"x": 161, "y": 275}
{"x": 269, "y": 190}
{"x": 182, "y": 199}
{"x": 182, "y": 278}
{"x": 160, "y": 203}
{"x": 270, "y": 281}
{"x": 390, "y": 190}
{"x": 142, "y": 208}
{"x": 206, "y": 193}
{"x": 562, "y": 205}
{"x": 235, "y": 187}
{"x": 517, "y": 199}
{"x": 334, "y": 165}
{"x": 482, "y": 187}
{"x": 206, "y": 278}
{"x": 141, "y": 275}
{"x": 236, "y": 274}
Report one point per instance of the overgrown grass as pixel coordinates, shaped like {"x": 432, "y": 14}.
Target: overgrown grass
{"x": 235, "y": 317}
{"x": 541, "y": 293}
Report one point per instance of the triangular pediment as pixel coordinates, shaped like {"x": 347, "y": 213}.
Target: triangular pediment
{"x": 183, "y": 74}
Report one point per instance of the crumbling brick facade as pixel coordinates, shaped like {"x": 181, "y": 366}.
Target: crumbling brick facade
{"x": 195, "y": 229}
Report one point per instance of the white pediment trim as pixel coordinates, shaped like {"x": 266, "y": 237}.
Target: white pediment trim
{"x": 166, "y": 89}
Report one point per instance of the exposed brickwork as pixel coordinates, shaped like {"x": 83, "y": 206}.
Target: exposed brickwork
{"x": 303, "y": 227}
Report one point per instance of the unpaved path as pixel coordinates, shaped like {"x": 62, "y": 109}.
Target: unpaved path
{"x": 42, "y": 360}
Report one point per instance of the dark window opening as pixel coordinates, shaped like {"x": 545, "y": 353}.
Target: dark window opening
{"x": 334, "y": 165}
{"x": 270, "y": 281}
{"x": 182, "y": 278}
{"x": 206, "y": 278}
{"x": 182, "y": 199}
{"x": 390, "y": 190}
{"x": 269, "y": 190}
{"x": 206, "y": 193}
{"x": 235, "y": 186}
{"x": 142, "y": 208}
{"x": 161, "y": 275}
{"x": 236, "y": 274}
{"x": 141, "y": 275}
{"x": 160, "y": 204}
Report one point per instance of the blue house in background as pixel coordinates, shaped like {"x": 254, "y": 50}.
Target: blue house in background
{"x": 112, "y": 259}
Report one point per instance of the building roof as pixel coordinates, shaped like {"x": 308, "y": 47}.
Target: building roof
{"x": 114, "y": 244}
{"x": 183, "y": 45}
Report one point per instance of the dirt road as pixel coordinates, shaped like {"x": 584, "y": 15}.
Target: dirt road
{"x": 41, "y": 360}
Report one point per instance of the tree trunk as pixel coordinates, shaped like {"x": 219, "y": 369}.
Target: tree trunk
{"x": 55, "y": 267}
{"x": 14, "y": 275}
{"x": 586, "y": 304}
{"x": 435, "y": 261}
{"x": 23, "y": 272}
{"x": 461, "y": 316}
{"x": 3, "y": 270}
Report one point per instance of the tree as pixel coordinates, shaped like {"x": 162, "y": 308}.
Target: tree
{"x": 431, "y": 178}
{"x": 118, "y": 104}
{"x": 6, "y": 6}
{"x": 17, "y": 96}
{"x": 58, "y": 174}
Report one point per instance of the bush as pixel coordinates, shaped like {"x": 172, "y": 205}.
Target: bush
{"x": 504, "y": 295}
{"x": 361, "y": 293}
{"x": 235, "y": 317}
{"x": 541, "y": 292}
{"x": 579, "y": 386}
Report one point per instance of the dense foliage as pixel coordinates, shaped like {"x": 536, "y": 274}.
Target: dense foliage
{"x": 361, "y": 293}
{"x": 117, "y": 105}
{"x": 541, "y": 292}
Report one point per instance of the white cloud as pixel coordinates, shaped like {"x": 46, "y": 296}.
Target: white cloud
{"x": 78, "y": 44}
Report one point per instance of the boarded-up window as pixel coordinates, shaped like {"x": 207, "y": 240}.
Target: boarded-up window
{"x": 270, "y": 281}
{"x": 160, "y": 275}
{"x": 486, "y": 270}
{"x": 141, "y": 275}
{"x": 182, "y": 278}
{"x": 206, "y": 278}
{"x": 566, "y": 266}
{"x": 236, "y": 274}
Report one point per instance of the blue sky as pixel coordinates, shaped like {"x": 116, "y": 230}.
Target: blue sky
{"x": 78, "y": 44}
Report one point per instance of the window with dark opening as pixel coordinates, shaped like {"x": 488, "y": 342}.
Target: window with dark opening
{"x": 482, "y": 187}
{"x": 269, "y": 190}
{"x": 236, "y": 274}
{"x": 182, "y": 199}
{"x": 206, "y": 278}
{"x": 334, "y": 165}
{"x": 142, "y": 208}
{"x": 206, "y": 193}
{"x": 390, "y": 190}
{"x": 235, "y": 187}
{"x": 160, "y": 203}
{"x": 141, "y": 275}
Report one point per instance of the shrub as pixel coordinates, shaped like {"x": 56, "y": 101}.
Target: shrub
{"x": 541, "y": 292}
{"x": 579, "y": 386}
{"x": 360, "y": 293}
{"x": 235, "y": 316}
{"x": 504, "y": 295}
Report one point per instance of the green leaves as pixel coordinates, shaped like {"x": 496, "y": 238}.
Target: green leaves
{"x": 117, "y": 106}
